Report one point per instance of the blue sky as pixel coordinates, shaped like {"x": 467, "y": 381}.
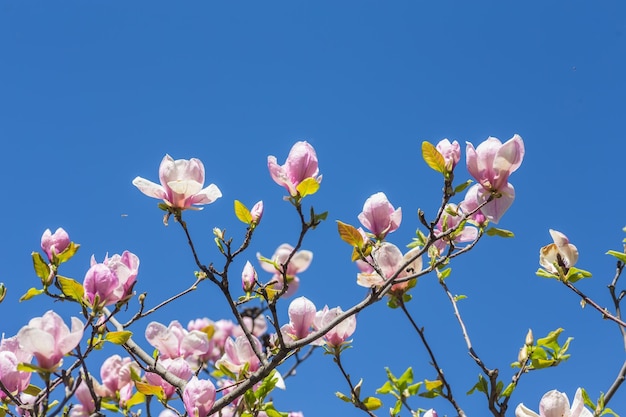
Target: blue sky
{"x": 95, "y": 93}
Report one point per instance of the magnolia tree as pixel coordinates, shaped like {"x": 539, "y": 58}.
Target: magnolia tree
{"x": 231, "y": 366}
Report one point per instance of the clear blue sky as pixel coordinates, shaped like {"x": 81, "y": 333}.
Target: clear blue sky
{"x": 93, "y": 94}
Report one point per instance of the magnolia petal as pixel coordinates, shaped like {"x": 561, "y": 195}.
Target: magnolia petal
{"x": 495, "y": 209}
{"x": 578, "y": 406}
{"x": 301, "y": 261}
{"x": 369, "y": 280}
{"x": 150, "y": 188}
{"x": 522, "y": 411}
{"x": 206, "y": 196}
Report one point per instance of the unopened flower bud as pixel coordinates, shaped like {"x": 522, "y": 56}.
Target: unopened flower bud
{"x": 529, "y": 338}
{"x": 257, "y": 212}
{"x": 248, "y": 277}
{"x": 53, "y": 244}
{"x": 3, "y": 291}
{"x": 218, "y": 233}
{"x": 523, "y": 354}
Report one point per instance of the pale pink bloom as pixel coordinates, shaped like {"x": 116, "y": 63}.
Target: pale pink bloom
{"x": 181, "y": 184}
{"x": 116, "y": 374}
{"x": 54, "y": 243}
{"x": 257, "y": 212}
{"x": 238, "y": 353}
{"x": 100, "y": 284}
{"x": 126, "y": 268}
{"x": 298, "y": 263}
{"x": 199, "y": 397}
{"x": 300, "y": 165}
{"x": 341, "y": 332}
{"x": 430, "y": 413}
{"x": 167, "y": 413}
{"x": 222, "y": 330}
{"x": 301, "y": 318}
{"x": 556, "y": 404}
{"x": 389, "y": 259}
{"x": 561, "y": 252}
{"x": 49, "y": 339}
{"x": 12, "y": 354}
{"x": 450, "y": 219}
{"x": 248, "y": 277}
{"x": 490, "y": 164}
{"x": 379, "y": 216}
{"x": 451, "y": 152}
{"x": 174, "y": 341}
{"x": 178, "y": 367}
{"x": 87, "y": 405}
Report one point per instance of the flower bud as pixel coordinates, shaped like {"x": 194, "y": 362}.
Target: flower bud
{"x": 451, "y": 153}
{"x": 529, "y": 338}
{"x": 218, "y": 233}
{"x": 257, "y": 212}
{"x": 53, "y": 244}
{"x": 248, "y": 277}
{"x": 3, "y": 291}
{"x": 523, "y": 354}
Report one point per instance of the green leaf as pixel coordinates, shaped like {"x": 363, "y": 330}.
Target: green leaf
{"x": 414, "y": 389}
{"x": 118, "y": 338}
{"x": 459, "y": 188}
{"x": 42, "y": 270}
{"x": 29, "y": 367}
{"x": 308, "y": 187}
{"x": 385, "y": 389}
{"x": 460, "y": 297}
{"x": 481, "y": 386}
{"x": 396, "y": 408}
{"x": 432, "y": 385}
{"x": 550, "y": 340}
{"x": 508, "y": 390}
{"x": 32, "y": 390}
{"x": 71, "y": 288}
{"x": 432, "y": 157}
{"x": 271, "y": 412}
{"x": 608, "y": 411}
{"x": 148, "y": 389}
{"x": 619, "y": 255}
{"x": 545, "y": 274}
{"x": 68, "y": 253}
{"x": 33, "y": 292}
{"x": 494, "y": 231}
{"x": 349, "y": 234}
{"x": 575, "y": 274}
{"x": 372, "y": 403}
{"x": 242, "y": 212}
{"x": 113, "y": 406}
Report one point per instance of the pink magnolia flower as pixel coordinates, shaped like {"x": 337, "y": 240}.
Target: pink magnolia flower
{"x": 238, "y": 353}
{"x": 301, "y": 318}
{"x": 87, "y": 405}
{"x": 560, "y": 253}
{"x": 389, "y": 259}
{"x": 490, "y": 164}
{"x": 100, "y": 284}
{"x": 12, "y": 354}
{"x": 248, "y": 277}
{"x": 199, "y": 397}
{"x": 181, "y": 184}
{"x": 257, "y": 212}
{"x": 54, "y": 243}
{"x": 176, "y": 342}
{"x": 221, "y": 329}
{"x": 471, "y": 203}
{"x": 116, "y": 374}
{"x": 300, "y": 165}
{"x": 49, "y": 339}
{"x": 178, "y": 367}
{"x": 379, "y": 216}
{"x": 112, "y": 280}
{"x": 556, "y": 404}
{"x": 451, "y": 152}
{"x": 430, "y": 413}
{"x": 341, "y": 332}
{"x": 298, "y": 263}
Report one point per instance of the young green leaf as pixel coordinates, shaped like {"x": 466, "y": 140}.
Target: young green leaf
{"x": 308, "y": 187}
{"x": 242, "y": 212}
{"x": 71, "y": 288}
{"x": 432, "y": 157}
